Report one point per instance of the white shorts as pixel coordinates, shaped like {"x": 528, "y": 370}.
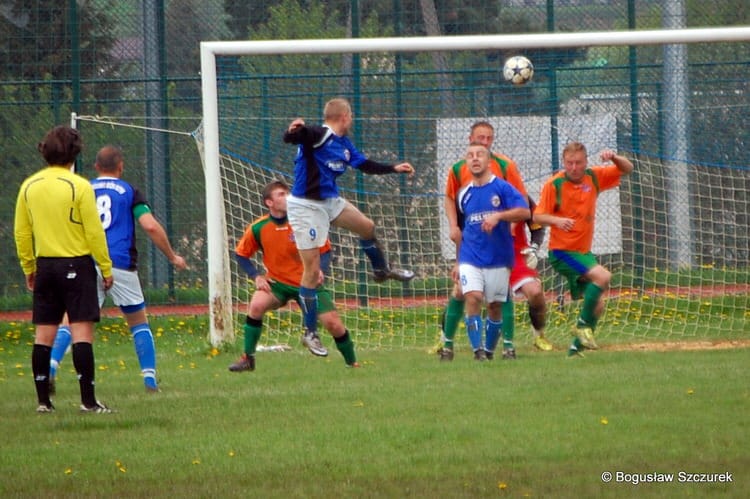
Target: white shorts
{"x": 311, "y": 219}
{"x": 492, "y": 282}
{"x": 125, "y": 291}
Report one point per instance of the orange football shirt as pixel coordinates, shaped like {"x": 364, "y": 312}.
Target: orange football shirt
{"x": 502, "y": 167}
{"x": 563, "y": 198}
{"x": 275, "y": 238}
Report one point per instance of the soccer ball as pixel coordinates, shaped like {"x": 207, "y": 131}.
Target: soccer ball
{"x": 518, "y": 70}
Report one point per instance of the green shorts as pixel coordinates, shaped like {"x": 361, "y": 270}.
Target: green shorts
{"x": 573, "y": 266}
{"x": 285, "y": 292}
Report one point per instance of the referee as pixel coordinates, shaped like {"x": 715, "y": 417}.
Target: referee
{"x": 58, "y": 237}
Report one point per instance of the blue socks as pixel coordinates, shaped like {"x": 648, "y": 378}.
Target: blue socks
{"x": 143, "y": 341}
{"x": 308, "y": 298}
{"x": 62, "y": 342}
{"x": 474, "y": 331}
{"x": 374, "y": 253}
{"x": 493, "y": 334}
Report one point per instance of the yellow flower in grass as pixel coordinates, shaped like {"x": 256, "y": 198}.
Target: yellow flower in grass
{"x": 690, "y": 391}
{"x": 68, "y": 471}
{"x": 120, "y": 467}
{"x": 502, "y": 485}
{"x": 604, "y": 420}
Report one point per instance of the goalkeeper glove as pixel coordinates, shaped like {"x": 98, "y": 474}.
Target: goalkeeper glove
{"x": 532, "y": 260}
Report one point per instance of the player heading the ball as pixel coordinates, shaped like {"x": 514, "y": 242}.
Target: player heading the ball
{"x": 323, "y": 154}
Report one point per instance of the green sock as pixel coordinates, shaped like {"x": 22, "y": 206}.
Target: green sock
{"x": 454, "y": 314}
{"x": 591, "y": 296}
{"x": 509, "y": 324}
{"x": 575, "y": 346}
{"x": 345, "y": 345}
{"x": 252, "y": 328}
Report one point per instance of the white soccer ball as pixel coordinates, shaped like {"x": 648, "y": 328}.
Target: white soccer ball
{"x": 518, "y": 70}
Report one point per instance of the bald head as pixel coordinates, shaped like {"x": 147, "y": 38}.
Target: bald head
{"x": 109, "y": 160}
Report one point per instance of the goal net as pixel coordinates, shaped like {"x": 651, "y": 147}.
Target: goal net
{"x": 674, "y": 235}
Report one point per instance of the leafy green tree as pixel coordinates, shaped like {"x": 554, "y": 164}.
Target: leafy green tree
{"x": 35, "y": 39}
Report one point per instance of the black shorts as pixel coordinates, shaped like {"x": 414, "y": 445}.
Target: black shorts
{"x": 65, "y": 285}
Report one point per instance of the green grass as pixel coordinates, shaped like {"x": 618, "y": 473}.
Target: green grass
{"x": 404, "y": 425}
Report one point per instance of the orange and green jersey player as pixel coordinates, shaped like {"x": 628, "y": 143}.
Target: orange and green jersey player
{"x": 563, "y": 198}
{"x": 275, "y": 238}
{"x": 501, "y": 166}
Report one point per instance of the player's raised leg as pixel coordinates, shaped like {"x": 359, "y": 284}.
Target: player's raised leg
{"x": 354, "y": 220}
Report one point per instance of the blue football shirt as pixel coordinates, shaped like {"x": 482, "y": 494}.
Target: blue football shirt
{"x": 318, "y": 165}
{"x": 115, "y": 200}
{"x": 476, "y": 203}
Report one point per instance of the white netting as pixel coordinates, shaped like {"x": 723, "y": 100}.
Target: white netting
{"x": 407, "y": 108}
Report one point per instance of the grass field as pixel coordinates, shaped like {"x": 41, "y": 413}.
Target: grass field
{"x": 404, "y": 425}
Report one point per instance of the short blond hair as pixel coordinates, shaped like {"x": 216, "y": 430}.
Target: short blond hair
{"x": 572, "y": 147}
{"x": 335, "y": 108}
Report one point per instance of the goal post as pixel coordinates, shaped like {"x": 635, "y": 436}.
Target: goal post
{"x": 222, "y": 308}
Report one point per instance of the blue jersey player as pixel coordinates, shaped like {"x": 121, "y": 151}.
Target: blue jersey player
{"x": 324, "y": 153}
{"x": 485, "y": 256}
{"x": 120, "y": 205}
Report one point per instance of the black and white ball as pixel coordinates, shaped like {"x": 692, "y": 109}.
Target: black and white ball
{"x": 518, "y": 70}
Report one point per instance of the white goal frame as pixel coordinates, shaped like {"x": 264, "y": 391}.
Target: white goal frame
{"x": 221, "y": 321}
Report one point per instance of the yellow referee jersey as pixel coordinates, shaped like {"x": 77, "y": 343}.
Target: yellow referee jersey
{"x": 56, "y": 216}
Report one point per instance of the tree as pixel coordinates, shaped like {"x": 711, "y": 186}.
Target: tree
{"x": 35, "y": 39}
{"x": 188, "y": 22}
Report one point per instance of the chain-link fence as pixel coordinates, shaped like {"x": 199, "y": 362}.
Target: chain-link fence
{"x": 137, "y": 64}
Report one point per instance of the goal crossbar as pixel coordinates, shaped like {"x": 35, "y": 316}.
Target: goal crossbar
{"x": 221, "y": 310}
{"x": 477, "y": 42}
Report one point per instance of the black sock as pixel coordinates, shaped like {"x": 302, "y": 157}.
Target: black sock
{"x": 83, "y": 360}
{"x": 40, "y": 357}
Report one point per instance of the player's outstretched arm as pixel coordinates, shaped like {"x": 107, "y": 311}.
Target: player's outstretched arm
{"x": 623, "y": 164}
{"x": 158, "y": 235}
{"x": 299, "y": 133}
{"x": 404, "y": 168}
